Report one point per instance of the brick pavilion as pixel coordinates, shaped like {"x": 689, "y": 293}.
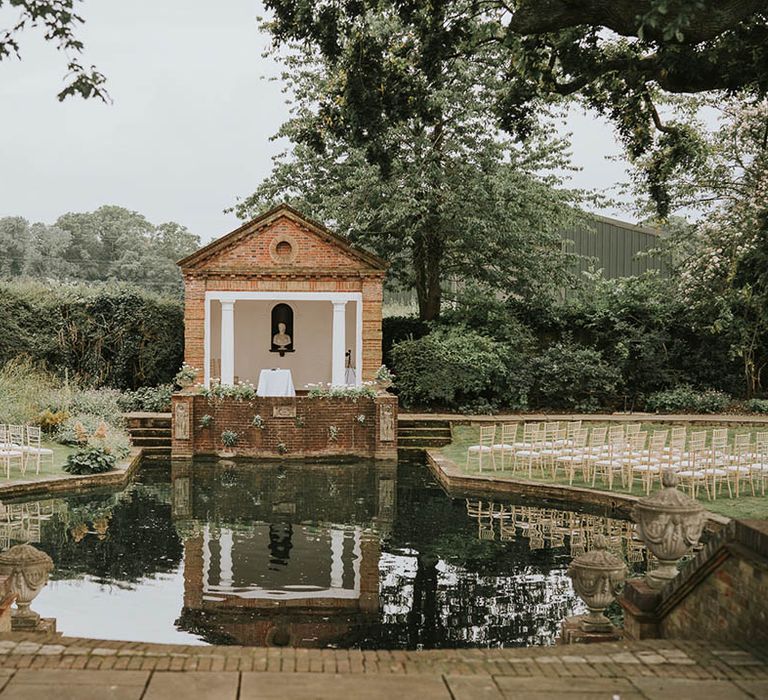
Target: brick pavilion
{"x": 283, "y": 295}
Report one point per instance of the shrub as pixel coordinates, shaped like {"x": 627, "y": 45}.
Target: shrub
{"x": 25, "y": 389}
{"x": 81, "y": 428}
{"x": 451, "y": 367}
{"x": 757, "y": 405}
{"x": 103, "y": 335}
{"x": 155, "y": 399}
{"x": 104, "y": 403}
{"x": 573, "y": 377}
{"x": 90, "y": 460}
{"x": 395, "y": 329}
{"x": 686, "y": 399}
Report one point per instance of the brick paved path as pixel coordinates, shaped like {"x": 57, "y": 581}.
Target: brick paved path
{"x": 61, "y": 668}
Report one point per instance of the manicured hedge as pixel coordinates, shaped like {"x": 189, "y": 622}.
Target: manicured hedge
{"x": 108, "y": 335}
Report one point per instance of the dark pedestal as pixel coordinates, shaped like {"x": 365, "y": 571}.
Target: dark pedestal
{"x": 572, "y": 633}
{"x": 640, "y": 603}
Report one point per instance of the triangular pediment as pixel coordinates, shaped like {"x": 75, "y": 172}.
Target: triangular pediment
{"x": 281, "y": 238}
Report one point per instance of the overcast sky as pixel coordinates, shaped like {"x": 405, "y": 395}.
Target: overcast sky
{"x": 189, "y": 128}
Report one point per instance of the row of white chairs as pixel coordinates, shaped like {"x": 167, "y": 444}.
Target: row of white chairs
{"x": 20, "y": 445}
{"x": 624, "y": 454}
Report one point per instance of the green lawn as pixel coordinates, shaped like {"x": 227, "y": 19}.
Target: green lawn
{"x": 60, "y": 453}
{"x": 743, "y": 507}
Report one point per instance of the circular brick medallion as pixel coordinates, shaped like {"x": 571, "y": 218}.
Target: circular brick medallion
{"x": 283, "y": 249}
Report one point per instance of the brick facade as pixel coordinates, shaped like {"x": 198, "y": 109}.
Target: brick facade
{"x": 246, "y": 260}
{"x": 304, "y": 433}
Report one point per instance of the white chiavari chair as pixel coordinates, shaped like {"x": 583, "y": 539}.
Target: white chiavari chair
{"x": 33, "y": 449}
{"x": 475, "y": 453}
{"x": 507, "y": 445}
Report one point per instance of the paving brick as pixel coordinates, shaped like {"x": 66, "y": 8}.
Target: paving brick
{"x": 473, "y": 688}
{"x": 308, "y": 686}
{"x": 679, "y": 689}
{"x": 193, "y": 685}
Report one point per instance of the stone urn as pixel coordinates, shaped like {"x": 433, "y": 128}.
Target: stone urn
{"x": 670, "y": 523}
{"x": 27, "y": 570}
{"x": 597, "y": 576}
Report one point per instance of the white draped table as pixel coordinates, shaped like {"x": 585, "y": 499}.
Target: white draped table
{"x": 275, "y": 382}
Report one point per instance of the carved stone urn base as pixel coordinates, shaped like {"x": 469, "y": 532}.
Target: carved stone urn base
{"x": 595, "y": 621}
{"x": 30, "y": 623}
{"x": 660, "y": 576}
{"x": 572, "y": 631}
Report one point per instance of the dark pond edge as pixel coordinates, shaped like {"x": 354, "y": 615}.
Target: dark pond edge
{"x": 119, "y": 476}
{"x": 457, "y": 484}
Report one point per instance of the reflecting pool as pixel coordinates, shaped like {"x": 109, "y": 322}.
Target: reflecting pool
{"x": 356, "y": 555}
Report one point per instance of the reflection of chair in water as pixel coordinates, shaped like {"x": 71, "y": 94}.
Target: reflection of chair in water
{"x": 484, "y": 516}
{"x": 507, "y": 530}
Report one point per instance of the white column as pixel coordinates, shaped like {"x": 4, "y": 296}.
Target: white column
{"x": 337, "y": 558}
{"x": 206, "y": 557}
{"x": 339, "y": 343}
{"x": 228, "y": 342}
{"x": 226, "y": 541}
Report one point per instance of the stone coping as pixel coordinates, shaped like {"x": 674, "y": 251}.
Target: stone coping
{"x": 146, "y": 414}
{"x": 746, "y": 537}
{"x": 693, "y": 419}
{"x": 659, "y": 658}
{"x": 65, "y": 483}
{"x": 458, "y": 484}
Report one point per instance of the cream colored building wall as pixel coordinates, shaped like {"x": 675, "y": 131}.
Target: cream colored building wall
{"x": 312, "y": 323}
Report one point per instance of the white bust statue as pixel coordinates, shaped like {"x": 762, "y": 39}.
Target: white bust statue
{"x": 281, "y": 338}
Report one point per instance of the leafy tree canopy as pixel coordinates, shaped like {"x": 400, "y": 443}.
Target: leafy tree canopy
{"x": 59, "y": 22}
{"x": 441, "y": 194}
{"x": 108, "y": 244}
{"x": 617, "y": 56}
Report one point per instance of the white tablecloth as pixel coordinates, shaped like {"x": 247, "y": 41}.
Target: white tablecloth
{"x": 275, "y": 382}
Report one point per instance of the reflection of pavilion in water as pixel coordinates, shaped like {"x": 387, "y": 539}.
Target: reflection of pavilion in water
{"x": 551, "y": 528}
{"x": 284, "y": 556}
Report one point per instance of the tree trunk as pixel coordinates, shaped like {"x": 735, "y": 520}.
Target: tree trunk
{"x": 428, "y": 254}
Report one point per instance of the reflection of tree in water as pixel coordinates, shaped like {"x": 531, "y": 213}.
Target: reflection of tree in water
{"x": 139, "y": 541}
{"x": 442, "y": 587}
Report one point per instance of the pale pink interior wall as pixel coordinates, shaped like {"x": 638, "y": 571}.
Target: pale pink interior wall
{"x": 312, "y": 321}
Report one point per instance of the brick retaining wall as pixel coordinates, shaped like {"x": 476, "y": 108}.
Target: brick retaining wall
{"x": 300, "y": 423}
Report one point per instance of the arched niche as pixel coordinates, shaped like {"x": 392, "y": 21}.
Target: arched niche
{"x": 282, "y": 338}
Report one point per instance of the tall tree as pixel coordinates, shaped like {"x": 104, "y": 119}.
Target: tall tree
{"x": 723, "y": 257}
{"x": 441, "y": 195}
{"x": 110, "y": 243}
{"x": 617, "y": 56}
{"x": 59, "y": 22}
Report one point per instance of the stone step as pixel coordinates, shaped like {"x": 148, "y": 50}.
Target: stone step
{"x": 155, "y": 452}
{"x": 150, "y": 432}
{"x": 424, "y": 441}
{"x": 416, "y": 432}
{"x": 421, "y": 423}
{"x": 148, "y": 420}
{"x": 151, "y": 441}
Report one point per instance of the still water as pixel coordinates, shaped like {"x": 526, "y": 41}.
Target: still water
{"x": 355, "y": 555}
